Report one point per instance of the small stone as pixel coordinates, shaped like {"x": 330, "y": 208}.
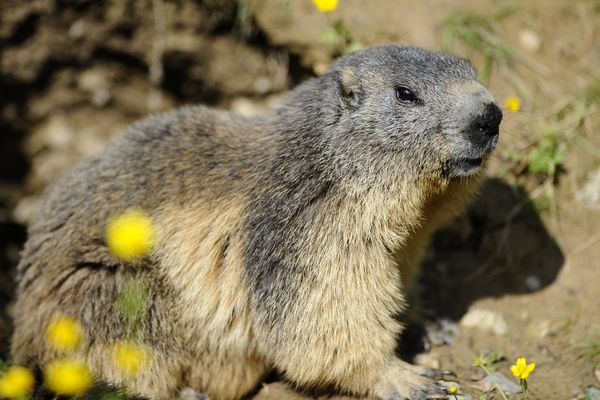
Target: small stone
{"x": 26, "y": 209}
{"x": 191, "y": 394}
{"x": 262, "y": 85}
{"x": 533, "y": 283}
{"x": 589, "y": 194}
{"x": 91, "y": 80}
{"x": 592, "y": 393}
{"x": 428, "y": 360}
{"x": 597, "y": 374}
{"x": 486, "y": 320}
{"x": 246, "y": 106}
{"x": 251, "y": 107}
{"x": 95, "y": 82}
{"x": 543, "y": 329}
{"x": 278, "y": 390}
{"x": 77, "y": 29}
{"x": 101, "y": 97}
{"x": 524, "y": 315}
{"x": 320, "y": 68}
{"x": 442, "y": 331}
{"x": 496, "y": 378}
{"x": 54, "y": 133}
{"x": 530, "y": 40}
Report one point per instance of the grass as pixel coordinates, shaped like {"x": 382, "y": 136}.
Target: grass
{"x": 548, "y": 154}
{"x": 487, "y": 362}
{"x": 340, "y": 35}
{"x": 482, "y": 34}
{"x": 592, "y": 350}
{"x": 551, "y": 133}
{"x": 568, "y": 122}
{"x": 3, "y": 366}
{"x": 132, "y": 303}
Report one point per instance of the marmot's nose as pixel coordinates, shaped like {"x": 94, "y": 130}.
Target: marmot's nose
{"x": 488, "y": 121}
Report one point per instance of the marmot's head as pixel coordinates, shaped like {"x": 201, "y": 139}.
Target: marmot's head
{"x": 409, "y": 110}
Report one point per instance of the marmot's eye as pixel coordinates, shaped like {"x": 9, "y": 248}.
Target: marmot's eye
{"x": 405, "y": 95}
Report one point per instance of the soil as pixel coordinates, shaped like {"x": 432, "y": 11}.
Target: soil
{"x": 74, "y": 73}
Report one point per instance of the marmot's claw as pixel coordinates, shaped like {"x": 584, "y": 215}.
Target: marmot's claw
{"x": 434, "y": 373}
{"x": 435, "y": 390}
{"x": 408, "y": 382}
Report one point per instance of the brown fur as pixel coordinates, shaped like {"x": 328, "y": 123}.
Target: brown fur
{"x": 285, "y": 242}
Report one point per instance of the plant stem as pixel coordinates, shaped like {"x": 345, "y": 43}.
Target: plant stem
{"x": 524, "y": 387}
{"x": 488, "y": 373}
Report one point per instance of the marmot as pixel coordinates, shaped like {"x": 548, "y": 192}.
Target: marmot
{"x": 286, "y": 241}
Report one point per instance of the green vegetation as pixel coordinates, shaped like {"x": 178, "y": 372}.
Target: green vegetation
{"x": 340, "y": 36}
{"x": 132, "y": 302}
{"x": 547, "y": 154}
{"x": 483, "y": 35}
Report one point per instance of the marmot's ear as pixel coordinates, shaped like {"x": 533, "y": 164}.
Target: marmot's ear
{"x": 350, "y": 88}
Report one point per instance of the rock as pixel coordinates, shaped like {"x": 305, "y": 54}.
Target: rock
{"x": 543, "y": 329}
{"x": 239, "y": 69}
{"x": 597, "y": 374}
{"x": 533, "y": 283}
{"x": 592, "y": 393}
{"x": 95, "y": 83}
{"x": 496, "y": 378}
{"x": 77, "y": 29}
{"x": 428, "y": 360}
{"x": 55, "y": 133}
{"x": 589, "y": 194}
{"x": 26, "y": 209}
{"x": 486, "y": 320}
{"x": 60, "y": 140}
{"x": 441, "y": 332}
{"x": 246, "y": 106}
{"x": 191, "y": 394}
{"x": 251, "y": 107}
{"x": 320, "y": 67}
{"x": 530, "y": 40}
{"x": 223, "y": 66}
{"x": 277, "y": 390}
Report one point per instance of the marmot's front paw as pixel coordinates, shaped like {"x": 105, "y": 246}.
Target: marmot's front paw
{"x": 403, "y": 381}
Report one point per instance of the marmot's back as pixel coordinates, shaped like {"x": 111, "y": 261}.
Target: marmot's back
{"x": 186, "y": 157}
{"x": 180, "y": 152}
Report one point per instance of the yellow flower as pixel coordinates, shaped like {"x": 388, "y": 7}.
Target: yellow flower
{"x": 68, "y": 377}
{"x": 130, "y": 235}
{"x": 453, "y": 389}
{"x": 64, "y": 333}
{"x": 129, "y": 357}
{"x": 16, "y": 382}
{"x": 521, "y": 369}
{"x": 513, "y": 104}
{"x": 325, "y": 5}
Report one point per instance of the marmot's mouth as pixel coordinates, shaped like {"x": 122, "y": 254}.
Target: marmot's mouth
{"x": 463, "y": 167}
{"x": 470, "y": 162}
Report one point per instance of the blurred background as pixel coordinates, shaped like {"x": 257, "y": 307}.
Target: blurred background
{"x": 519, "y": 273}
